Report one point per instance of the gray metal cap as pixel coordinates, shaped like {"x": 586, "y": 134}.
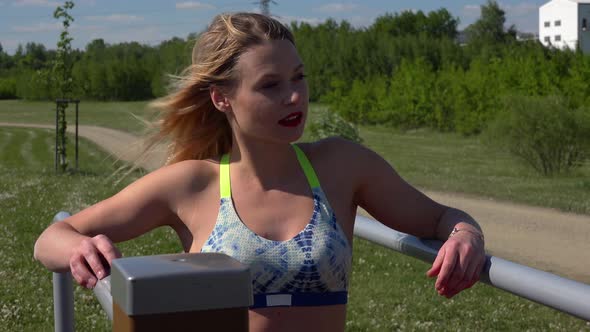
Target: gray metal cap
{"x": 180, "y": 282}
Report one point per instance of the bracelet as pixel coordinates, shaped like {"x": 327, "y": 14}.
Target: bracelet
{"x": 457, "y": 230}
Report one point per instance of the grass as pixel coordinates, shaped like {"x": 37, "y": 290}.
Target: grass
{"x": 388, "y": 291}
{"x": 30, "y": 195}
{"x": 116, "y": 115}
{"x": 430, "y": 160}
{"x": 452, "y": 163}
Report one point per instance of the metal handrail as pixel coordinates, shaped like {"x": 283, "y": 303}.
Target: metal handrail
{"x": 559, "y": 293}
{"x": 545, "y": 288}
{"x": 102, "y": 291}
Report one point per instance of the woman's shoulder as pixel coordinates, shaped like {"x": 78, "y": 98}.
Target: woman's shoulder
{"x": 333, "y": 150}
{"x": 196, "y": 167}
{"x": 187, "y": 174}
{"x": 337, "y": 159}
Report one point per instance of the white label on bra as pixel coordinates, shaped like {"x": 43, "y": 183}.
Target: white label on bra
{"x": 278, "y": 299}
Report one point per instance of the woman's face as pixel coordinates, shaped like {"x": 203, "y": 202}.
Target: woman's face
{"x": 270, "y": 100}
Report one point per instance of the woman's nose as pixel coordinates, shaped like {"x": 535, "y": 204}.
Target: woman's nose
{"x": 293, "y": 97}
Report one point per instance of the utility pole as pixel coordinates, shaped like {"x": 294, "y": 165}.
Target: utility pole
{"x": 264, "y": 6}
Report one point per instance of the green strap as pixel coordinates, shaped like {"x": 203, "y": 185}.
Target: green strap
{"x": 224, "y": 181}
{"x": 312, "y": 178}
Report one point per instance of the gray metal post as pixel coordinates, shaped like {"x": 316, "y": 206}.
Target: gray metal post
{"x": 77, "y": 102}
{"x": 63, "y": 294}
{"x": 172, "y": 292}
{"x": 56, "y": 135}
{"x": 545, "y": 288}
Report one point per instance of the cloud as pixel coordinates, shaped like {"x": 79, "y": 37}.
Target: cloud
{"x": 361, "y": 21}
{"x": 76, "y": 27}
{"x": 193, "y": 5}
{"x": 471, "y": 11}
{"x": 39, "y": 3}
{"x": 10, "y": 45}
{"x": 521, "y": 9}
{"x": 337, "y": 7}
{"x": 39, "y": 27}
{"x": 524, "y": 15}
{"x": 115, "y": 18}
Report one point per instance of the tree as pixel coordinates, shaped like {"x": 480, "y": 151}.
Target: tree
{"x": 441, "y": 23}
{"x": 489, "y": 28}
{"x": 4, "y": 58}
{"x": 35, "y": 56}
{"x": 62, "y": 72}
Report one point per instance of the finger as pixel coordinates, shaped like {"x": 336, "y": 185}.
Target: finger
{"x": 109, "y": 252}
{"x": 81, "y": 273}
{"x": 464, "y": 284}
{"x": 451, "y": 293}
{"x": 74, "y": 271}
{"x": 436, "y": 265}
{"x": 94, "y": 262}
{"x": 446, "y": 269}
{"x": 453, "y": 290}
{"x": 471, "y": 276}
{"x": 463, "y": 275}
{"x": 457, "y": 275}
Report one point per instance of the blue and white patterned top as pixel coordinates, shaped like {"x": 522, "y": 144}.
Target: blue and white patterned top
{"x": 310, "y": 269}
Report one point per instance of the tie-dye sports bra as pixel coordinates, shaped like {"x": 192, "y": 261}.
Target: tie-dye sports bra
{"x": 311, "y": 269}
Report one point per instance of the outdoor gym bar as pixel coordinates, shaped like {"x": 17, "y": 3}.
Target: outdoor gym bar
{"x": 150, "y": 292}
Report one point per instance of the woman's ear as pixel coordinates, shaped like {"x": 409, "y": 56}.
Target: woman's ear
{"x": 219, "y": 99}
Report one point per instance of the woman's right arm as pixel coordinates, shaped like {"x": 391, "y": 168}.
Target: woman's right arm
{"x": 82, "y": 243}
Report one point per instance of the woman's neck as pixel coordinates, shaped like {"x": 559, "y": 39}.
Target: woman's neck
{"x": 266, "y": 163}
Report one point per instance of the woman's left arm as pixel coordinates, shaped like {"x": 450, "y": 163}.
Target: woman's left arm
{"x": 395, "y": 203}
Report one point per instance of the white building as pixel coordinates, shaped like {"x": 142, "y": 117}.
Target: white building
{"x": 565, "y": 23}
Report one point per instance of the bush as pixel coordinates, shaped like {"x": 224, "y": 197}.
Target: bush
{"x": 543, "y": 132}
{"x": 330, "y": 124}
{"x": 7, "y": 88}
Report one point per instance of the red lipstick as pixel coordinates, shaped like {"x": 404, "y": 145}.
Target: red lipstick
{"x": 292, "y": 120}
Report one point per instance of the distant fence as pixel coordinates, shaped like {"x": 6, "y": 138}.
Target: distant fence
{"x": 563, "y": 294}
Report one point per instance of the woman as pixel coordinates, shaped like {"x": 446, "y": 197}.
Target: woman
{"x": 236, "y": 184}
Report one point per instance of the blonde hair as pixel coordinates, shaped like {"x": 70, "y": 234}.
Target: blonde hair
{"x": 188, "y": 119}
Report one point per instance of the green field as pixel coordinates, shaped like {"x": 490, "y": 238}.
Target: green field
{"x": 117, "y": 115}
{"x": 429, "y": 160}
{"x": 388, "y": 291}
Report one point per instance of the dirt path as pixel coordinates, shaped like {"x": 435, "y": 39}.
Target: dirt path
{"x": 543, "y": 238}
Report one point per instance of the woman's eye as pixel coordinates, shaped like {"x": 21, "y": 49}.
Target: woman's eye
{"x": 269, "y": 85}
{"x": 300, "y": 77}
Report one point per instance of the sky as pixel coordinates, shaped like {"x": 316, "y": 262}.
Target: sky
{"x": 153, "y": 21}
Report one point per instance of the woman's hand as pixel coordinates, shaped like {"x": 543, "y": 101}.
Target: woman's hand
{"x": 92, "y": 259}
{"x": 458, "y": 264}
